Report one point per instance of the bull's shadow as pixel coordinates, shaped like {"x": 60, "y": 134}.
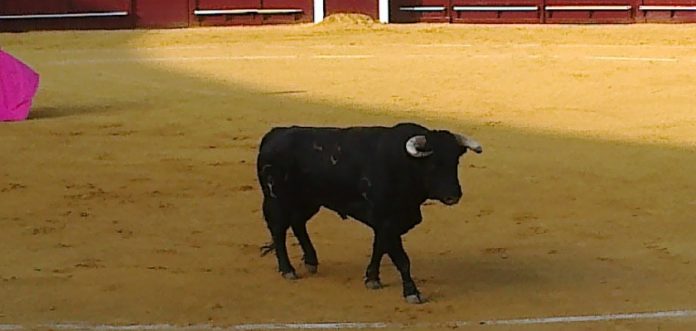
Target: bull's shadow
{"x": 53, "y": 112}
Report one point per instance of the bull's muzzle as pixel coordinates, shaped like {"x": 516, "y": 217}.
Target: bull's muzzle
{"x": 468, "y": 142}
{"x": 451, "y": 200}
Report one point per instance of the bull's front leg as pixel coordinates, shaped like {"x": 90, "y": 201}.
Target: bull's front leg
{"x": 396, "y": 252}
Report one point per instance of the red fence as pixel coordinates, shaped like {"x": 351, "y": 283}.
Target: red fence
{"x": 249, "y": 12}
{"x": 18, "y": 15}
{"x": 411, "y": 11}
{"x": 161, "y": 13}
{"x": 667, "y": 11}
{"x": 497, "y": 11}
{"x": 543, "y": 11}
{"x": 65, "y": 14}
{"x": 589, "y": 11}
{"x": 369, "y": 7}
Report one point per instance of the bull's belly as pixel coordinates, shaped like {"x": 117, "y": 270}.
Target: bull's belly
{"x": 345, "y": 197}
{"x": 356, "y": 209}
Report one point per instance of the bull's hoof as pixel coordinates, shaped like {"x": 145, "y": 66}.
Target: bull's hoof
{"x": 373, "y": 284}
{"x": 312, "y": 269}
{"x": 415, "y": 299}
{"x": 290, "y": 275}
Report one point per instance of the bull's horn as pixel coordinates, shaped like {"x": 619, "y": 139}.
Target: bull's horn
{"x": 415, "y": 146}
{"x": 469, "y": 143}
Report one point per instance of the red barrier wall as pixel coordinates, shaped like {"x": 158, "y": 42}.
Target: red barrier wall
{"x": 161, "y": 13}
{"x": 22, "y": 15}
{"x": 497, "y": 11}
{"x": 528, "y": 11}
{"x": 590, "y": 11}
{"x": 249, "y": 12}
{"x": 367, "y": 7}
{"x": 666, "y": 11}
{"x": 411, "y": 11}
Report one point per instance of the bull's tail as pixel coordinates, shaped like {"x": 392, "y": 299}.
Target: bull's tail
{"x": 267, "y": 248}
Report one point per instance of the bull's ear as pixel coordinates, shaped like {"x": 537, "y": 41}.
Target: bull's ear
{"x": 468, "y": 143}
{"x": 416, "y": 146}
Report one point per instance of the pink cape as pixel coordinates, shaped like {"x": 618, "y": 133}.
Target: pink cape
{"x": 18, "y": 85}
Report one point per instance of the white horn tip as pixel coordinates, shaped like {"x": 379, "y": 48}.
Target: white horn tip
{"x": 477, "y": 148}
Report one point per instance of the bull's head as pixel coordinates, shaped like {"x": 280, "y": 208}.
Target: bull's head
{"x": 440, "y": 152}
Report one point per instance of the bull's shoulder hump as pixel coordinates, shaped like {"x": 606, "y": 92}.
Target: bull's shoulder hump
{"x": 276, "y": 137}
{"x": 340, "y": 133}
{"x": 326, "y": 129}
{"x": 410, "y": 126}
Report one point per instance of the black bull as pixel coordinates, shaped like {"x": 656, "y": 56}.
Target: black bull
{"x": 379, "y": 176}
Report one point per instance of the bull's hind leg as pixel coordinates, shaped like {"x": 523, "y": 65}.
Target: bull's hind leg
{"x": 299, "y": 227}
{"x": 278, "y": 224}
{"x": 310, "y": 255}
{"x": 372, "y": 273}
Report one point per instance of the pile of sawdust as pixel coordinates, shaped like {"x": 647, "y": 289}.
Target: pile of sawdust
{"x": 348, "y": 21}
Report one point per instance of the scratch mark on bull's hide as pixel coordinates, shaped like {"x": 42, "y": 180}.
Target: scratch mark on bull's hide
{"x": 266, "y": 166}
{"x": 317, "y": 147}
{"x": 269, "y": 184}
{"x": 270, "y": 190}
{"x": 365, "y": 187}
{"x": 333, "y": 160}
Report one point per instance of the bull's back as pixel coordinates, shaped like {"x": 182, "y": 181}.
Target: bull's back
{"x": 321, "y": 162}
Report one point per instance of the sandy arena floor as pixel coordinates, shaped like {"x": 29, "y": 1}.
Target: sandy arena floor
{"x": 131, "y": 195}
